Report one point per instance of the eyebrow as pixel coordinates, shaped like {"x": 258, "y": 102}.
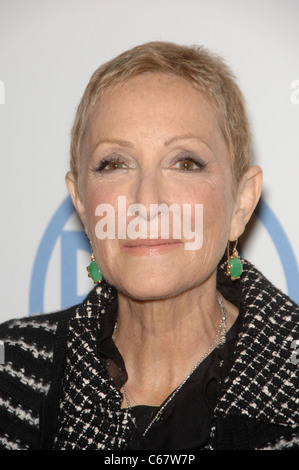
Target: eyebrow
{"x": 175, "y": 138}
{"x": 167, "y": 142}
{"x": 120, "y": 142}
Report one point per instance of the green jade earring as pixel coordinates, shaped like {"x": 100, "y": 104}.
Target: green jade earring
{"x": 94, "y": 271}
{"x": 234, "y": 263}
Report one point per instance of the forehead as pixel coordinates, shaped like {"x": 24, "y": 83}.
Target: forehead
{"x": 154, "y": 105}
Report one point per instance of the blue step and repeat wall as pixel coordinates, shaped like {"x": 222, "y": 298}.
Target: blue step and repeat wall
{"x": 49, "y": 50}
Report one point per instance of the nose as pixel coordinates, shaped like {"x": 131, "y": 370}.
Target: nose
{"x": 149, "y": 190}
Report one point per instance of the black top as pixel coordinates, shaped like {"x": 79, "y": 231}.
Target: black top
{"x": 186, "y": 421}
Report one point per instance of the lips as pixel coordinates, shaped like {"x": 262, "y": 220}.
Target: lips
{"x": 150, "y": 247}
{"x": 150, "y": 242}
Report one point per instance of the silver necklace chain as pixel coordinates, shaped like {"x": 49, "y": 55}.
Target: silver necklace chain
{"x": 221, "y": 333}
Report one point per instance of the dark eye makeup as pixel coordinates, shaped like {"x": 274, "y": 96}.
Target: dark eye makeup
{"x": 110, "y": 163}
{"x": 188, "y": 161}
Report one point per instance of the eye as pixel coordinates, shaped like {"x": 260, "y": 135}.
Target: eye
{"x": 111, "y": 163}
{"x": 189, "y": 163}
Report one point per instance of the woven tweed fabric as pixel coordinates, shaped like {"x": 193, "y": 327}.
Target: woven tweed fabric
{"x": 90, "y": 416}
{"x": 260, "y": 387}
{"x": 24, "y": 378}
{"x": 262, "y": 382}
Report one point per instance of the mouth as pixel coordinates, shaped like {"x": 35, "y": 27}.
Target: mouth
{"x": 150, "y": 246}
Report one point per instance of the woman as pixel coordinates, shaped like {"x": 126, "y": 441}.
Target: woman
{"x": 178, "y": 346}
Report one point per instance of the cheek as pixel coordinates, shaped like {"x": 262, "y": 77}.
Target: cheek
{"x": 104, "y": 249}
{"x": 216, "y": 206}
{"x": 217, "y": 213}
{"x": 95, "y": 196}
{"x": 90, "y": 208}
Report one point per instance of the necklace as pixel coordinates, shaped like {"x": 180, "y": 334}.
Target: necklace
{"x": 221, "y": 333}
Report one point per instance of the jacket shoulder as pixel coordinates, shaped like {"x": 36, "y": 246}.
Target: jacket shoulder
{"x": 26, "y": 369}
{"x": 31, "y": 337}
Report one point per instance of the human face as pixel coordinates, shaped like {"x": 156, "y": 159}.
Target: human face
{"x": 156, "y": 139}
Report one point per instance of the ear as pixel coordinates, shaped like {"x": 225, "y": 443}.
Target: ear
{"x": 72, "y": 187}
{"x": 248, "y": 195}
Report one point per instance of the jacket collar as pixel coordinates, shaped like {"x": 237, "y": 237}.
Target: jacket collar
{"x": 263, "y": 381}
{"x": 90, "y": 416}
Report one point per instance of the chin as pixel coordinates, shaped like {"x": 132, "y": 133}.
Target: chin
{"x": 146, "y": 288}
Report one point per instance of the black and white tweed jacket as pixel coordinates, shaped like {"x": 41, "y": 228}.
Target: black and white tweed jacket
{"x": 55, "y": 392}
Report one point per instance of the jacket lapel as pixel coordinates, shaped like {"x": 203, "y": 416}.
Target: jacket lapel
{"x": 263, "y": 381}
{"x": 90, "y": 414}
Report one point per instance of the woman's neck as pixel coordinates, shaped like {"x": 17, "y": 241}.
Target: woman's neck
{"x": 161, "y": 340}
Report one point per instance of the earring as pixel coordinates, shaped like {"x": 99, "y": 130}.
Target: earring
{"x": 234, "y": 263}
{"x": 94, "y": 271}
